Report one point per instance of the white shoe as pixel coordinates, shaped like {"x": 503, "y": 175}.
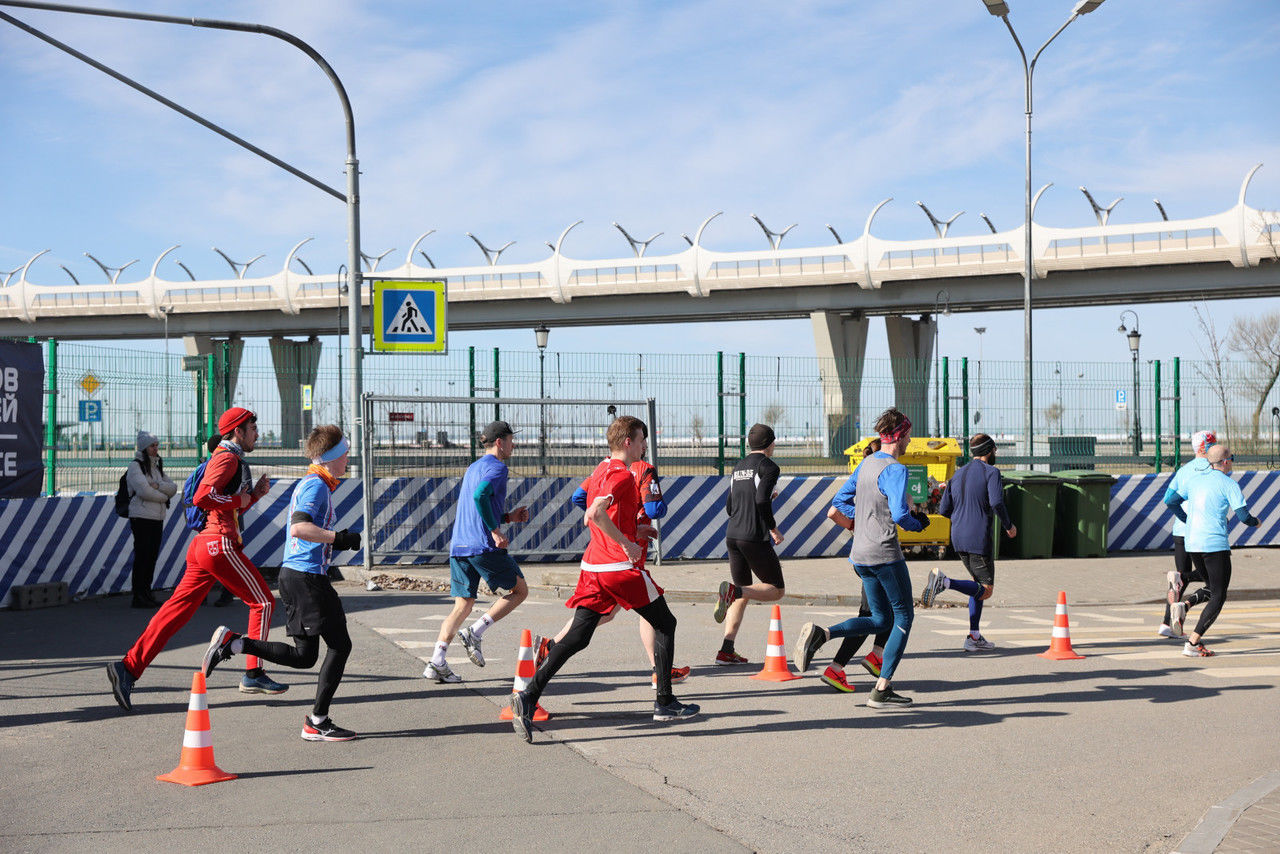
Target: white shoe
{"x": 472, "y": 645}
{"x": 1177, "y": 615}
{"x": 935, "y": 584}
{"x": 978, "y": 644}
{"x": 1166, "y": 632}
{"x": 440, "y": 672}
{"x": 1175, "y": 586}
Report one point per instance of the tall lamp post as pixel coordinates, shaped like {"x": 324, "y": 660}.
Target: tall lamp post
{"x": 1134, "y": 337}
{"x": 977, "y": 412}
{"x": 941, "y": 306}
{"x": 1000, "y": 9}
{"x": 540, "y": 335}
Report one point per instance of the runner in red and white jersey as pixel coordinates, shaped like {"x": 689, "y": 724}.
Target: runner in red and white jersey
{"x": 611, "y": 576}
{"x": 652, "y": 506}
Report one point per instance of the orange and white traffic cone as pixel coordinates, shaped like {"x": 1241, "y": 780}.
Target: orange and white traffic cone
{"x": 196, "y": 767}
{"x": 524, "y": 675}
{"x": 1060, "y": 644}
{"x": 775, "y": 656}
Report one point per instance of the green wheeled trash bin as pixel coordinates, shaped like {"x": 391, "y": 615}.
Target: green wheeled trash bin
{"x": 1031, "y": 498}
{"x": 1084, "y": 509}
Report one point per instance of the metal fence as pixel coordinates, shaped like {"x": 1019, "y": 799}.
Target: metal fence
{"x": 708, "y": 401}
{"x": 408, "y": 438}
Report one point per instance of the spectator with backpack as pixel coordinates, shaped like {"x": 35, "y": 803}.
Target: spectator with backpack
{"x": 149, "y": 491}
{"x": 226, "y": 489}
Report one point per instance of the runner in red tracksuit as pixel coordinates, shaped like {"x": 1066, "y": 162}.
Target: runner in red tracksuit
{"x": 215, "y": 554}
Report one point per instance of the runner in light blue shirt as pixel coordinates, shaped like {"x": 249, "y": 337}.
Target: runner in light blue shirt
{"x": 1185, "y": 568}
{"x": 1205, "y": 501}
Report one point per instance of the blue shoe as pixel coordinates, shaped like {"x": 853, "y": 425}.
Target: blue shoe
{"x": 261, "y": 684}
{"x": 121, "y": 684}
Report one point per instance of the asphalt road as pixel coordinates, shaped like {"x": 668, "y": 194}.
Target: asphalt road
{"x": 1121, "y": 751}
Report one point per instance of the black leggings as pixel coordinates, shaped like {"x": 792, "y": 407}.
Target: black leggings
{"x": 849, "y": 646}
{"x": 1190, "y": 568}
{"x": 656, "y": 614}
{"x": 303, "y": 654}
{"x": 147, "y": 534}
{"x": 1217, "y": 566}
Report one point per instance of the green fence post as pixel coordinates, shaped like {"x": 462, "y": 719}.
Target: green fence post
{"x": 51, "y": 420}
{"x": 720, "y": 411}
{"x": 742, "y": 404}
{"x": 1159, "y": 453}
{"x": 496, "y": 385}
{"x": 964, "y": 393}
{"x": 211, "y": 416}
{"x": 1177, "y": 411}
{"x": 946, "y": 400}
{"x": 226, "y": 373}
{"x": 471, "y": 373}
{"x": 202, "y": 432}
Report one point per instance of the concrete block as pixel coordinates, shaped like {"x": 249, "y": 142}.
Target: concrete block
{"x": 46, "y": 595}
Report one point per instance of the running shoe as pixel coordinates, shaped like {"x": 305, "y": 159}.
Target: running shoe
{"x": 1165, "y": 632}
{"x": 935, "y": 584}
{"x": 522, "y": 716}
{"x": 1177, "y": 615}
{"x": 675, "y": 710}
{"x": 729, "y": 592}
{"x": 472, "y": 645}
{"x": 121, "y": 684}
{"x": 978, "y": 644}
{"x": 836, "y": 679}
{"x": 678, "y": 675}
{"x": 1196, "y": 650}
{"x": 872, "y": 663}
{"x": 541, "y": 647}
{"x": 887, "y": 699}
{"x": 811, "y": 639}
{"x": 724, "y": 659}
{"x": 327, "y": 731}
{"x": 219, "y": 648}
{"x": 440, "y": 672}
{"x": 260, "y": 683}
{"x": 1175, "y": 586}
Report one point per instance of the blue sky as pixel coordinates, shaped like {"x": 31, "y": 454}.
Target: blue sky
{"x": 513, "y": 120}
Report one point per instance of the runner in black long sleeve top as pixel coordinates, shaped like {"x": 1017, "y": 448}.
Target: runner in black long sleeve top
{"x": 750, "y": 537}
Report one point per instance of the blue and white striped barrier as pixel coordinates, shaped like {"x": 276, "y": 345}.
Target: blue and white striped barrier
{"x": 80, "y": 539}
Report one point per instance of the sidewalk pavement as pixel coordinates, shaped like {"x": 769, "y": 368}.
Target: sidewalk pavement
{"x": 1130, "y": 578}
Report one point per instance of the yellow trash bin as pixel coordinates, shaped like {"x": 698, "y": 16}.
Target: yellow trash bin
{"x": 930, "y": 464}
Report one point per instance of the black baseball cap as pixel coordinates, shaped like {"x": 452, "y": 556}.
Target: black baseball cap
{"x": 495, "y": 431}
{"x": 759, "y": 437}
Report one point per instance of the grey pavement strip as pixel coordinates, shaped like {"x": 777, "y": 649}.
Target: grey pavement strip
{"x": 1216, "y": 822}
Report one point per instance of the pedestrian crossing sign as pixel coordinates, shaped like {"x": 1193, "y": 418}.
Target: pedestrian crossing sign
{"x": 409, "y": 317}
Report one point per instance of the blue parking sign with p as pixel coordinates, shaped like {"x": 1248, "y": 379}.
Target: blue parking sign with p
{"x": 409, "y": 316}
{"x": 90, "y": 410}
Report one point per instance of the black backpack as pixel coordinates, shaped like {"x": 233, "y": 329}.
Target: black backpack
{"x": 123, "y": 495}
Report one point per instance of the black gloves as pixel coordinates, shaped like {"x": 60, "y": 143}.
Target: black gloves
{"x": 921, "y": 517}
{"x": 346, "y": 541}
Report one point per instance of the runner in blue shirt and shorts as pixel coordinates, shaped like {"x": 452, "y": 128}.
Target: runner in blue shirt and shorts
{"x": 479, "y": 550}
{"x": 312, "y": 607}
{"x": 1206, "y": 500}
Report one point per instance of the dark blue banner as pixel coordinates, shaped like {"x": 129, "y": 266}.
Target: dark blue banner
{"x": 21, "y": 397}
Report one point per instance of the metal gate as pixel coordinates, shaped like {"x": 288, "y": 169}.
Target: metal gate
{"x": 420, "y": 446}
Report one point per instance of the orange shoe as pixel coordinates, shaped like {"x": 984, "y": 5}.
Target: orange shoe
{"x": 872, "y": 663}
{"x": 836, "y": 679}
{"x": 726, "y": 658}
{"x": 678, "y": 675}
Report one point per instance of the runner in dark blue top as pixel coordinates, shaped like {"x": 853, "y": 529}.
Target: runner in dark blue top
{"x": 479, "y": 550}
{"x": 974, "y": 495}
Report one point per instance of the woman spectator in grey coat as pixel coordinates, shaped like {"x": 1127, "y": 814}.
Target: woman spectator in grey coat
{"x": 149, "y": 494}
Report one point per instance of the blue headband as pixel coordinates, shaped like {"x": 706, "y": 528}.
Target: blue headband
{"x": 334, "y": 453}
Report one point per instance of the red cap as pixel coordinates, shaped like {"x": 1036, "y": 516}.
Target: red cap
{"x": 233, "y": 418}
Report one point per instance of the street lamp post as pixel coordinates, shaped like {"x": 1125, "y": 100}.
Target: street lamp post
{"x": 941, "y": 306}
{"x": 1134, "y": 337}
{"x": 540, "y": 335}
{"x": 977, "y": 412}
{"x": 1000, "y": 9}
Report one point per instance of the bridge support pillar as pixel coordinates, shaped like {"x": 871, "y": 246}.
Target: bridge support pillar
{"x": 226, "y": 366}
{"x": 296, "y": 364}
{"x": 841, "y": 341}
{"x": 910, "y": 352}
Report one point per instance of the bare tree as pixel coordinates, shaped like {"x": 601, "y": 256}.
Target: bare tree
{"x": 773, "y": 414}
{"x": 1053, "y": 414}
{"x": 1214, "y": 349}
{"x": 1257, "y": 339}
{"x": 696, "y": 427}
